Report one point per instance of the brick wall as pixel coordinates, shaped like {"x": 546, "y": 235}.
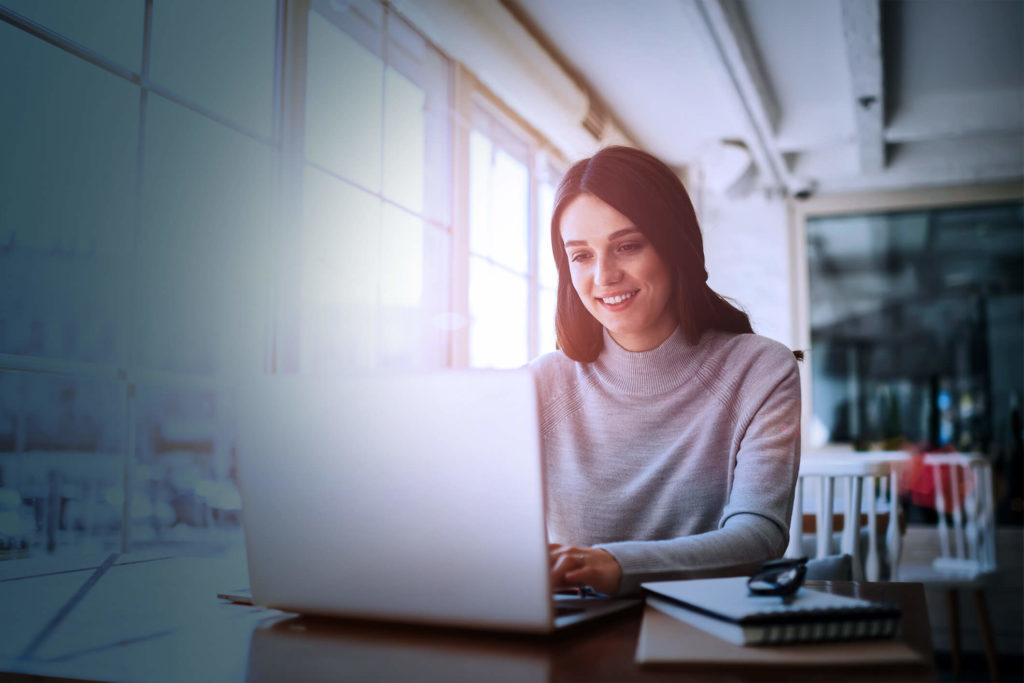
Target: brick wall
{"x": 746, "y": 247}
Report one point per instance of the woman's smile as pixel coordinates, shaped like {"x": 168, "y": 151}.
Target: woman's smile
{"x": 618, "y": 302}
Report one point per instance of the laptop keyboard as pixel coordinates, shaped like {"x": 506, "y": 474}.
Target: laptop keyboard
{"x": 563, "y": 610}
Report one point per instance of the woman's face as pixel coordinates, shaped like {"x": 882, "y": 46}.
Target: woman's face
{"x": 617, "y": 274}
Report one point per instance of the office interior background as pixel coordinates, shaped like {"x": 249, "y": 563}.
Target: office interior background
{"x": 196, "y": 192}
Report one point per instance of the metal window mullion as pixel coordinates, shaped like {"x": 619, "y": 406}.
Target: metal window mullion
{"x": 129, "y": 465}
{"x": 436, "y": 223}
{"x": 197, "y": 108}
{"x": 10, "y": 362}
{"x": 134, "y": 303}
{"x": 378, "y": 319}
{"x": 57, "y": 40}
{"x": 141, "y": 79}
{"x": 286, "y": 303}
{"x": 461, "y": 108}
{"x": 279, "y": 103}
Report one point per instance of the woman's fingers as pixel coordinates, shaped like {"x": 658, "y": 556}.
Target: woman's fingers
{"x": 599, "y": 570}
{"x": 574, "y": 567}
{"x": 566, "y": 562}
{"x": 565, "y": 559}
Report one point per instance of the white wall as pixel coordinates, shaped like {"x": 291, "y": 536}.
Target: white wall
{"x": 746, "y": 247}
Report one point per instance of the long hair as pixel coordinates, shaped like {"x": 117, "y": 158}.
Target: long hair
{"x": 646, "y": 191}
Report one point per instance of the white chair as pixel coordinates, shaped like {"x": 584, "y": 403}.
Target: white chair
{"x": 966, "y": 543}
{"x": 860, "y": 479}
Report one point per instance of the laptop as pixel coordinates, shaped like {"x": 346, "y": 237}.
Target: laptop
{"x": 403, "y": 497}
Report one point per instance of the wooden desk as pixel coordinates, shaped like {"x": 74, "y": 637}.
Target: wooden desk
{"x": 159, "y": 620}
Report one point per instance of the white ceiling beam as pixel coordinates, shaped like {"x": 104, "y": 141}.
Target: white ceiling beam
{"x": 728, "y": 31}
{"x": 956, "y": 115}
{"x": 950, "y": 161}
{"x": 812, "y": 141}
{"x": 908, "y": 177}
{"x": 862, "y": 36}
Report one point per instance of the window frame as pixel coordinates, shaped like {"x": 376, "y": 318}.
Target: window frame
{"x": 543, "y": 161}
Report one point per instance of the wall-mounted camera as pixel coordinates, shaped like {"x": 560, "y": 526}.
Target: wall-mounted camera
{"x": 802, "y": 188}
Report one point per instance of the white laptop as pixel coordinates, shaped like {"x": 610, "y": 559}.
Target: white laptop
{"x": 415, "y": 497}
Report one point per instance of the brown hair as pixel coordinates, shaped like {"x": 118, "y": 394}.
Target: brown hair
{"x": 649, "y": 193}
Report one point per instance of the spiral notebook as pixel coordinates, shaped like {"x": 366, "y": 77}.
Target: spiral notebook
{"x": 724, "y": 608}
{"x": 667, "y": 641}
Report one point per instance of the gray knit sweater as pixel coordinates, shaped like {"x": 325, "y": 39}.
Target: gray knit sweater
{"x": 679, "y": 461}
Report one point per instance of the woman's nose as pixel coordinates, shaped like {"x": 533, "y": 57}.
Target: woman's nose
{"x": 607, "y": 272}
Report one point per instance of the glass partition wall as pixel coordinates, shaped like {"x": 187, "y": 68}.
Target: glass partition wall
{"x": 137, "y": 192}
{"x": 196, "y": 192}
{"x": 917, "y": 332}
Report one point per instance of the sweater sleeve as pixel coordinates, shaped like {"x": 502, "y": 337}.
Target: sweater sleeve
{"x": 754, "y": 525}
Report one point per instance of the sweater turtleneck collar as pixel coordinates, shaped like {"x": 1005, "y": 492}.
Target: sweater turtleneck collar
{"x": 658, "y": 371}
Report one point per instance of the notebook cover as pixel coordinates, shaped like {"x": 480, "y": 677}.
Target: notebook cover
{"x": 665, "y": 640}
{"x": 728, "y": 598}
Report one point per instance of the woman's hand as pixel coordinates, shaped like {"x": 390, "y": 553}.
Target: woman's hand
{"x": 575, "y": 566}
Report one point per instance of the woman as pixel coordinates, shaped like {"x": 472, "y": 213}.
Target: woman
{"x": 670, "y": 430}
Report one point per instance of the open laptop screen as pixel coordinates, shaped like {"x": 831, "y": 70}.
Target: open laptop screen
{"x": 413, "y": 497}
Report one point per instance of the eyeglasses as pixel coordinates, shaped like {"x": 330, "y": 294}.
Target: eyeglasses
{"x": 779, "y": 577}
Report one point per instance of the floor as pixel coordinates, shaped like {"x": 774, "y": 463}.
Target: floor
{"x": 1005, "y": 598}
{"x": 974, "y": 668}
{"x": 1004, "y": 595}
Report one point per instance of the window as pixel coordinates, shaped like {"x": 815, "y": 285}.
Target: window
{"x": 916, "y": 325}
{"x": 376, "y": 207}
{"x": 499, "y": 232}
{"x": 512, "y": 276}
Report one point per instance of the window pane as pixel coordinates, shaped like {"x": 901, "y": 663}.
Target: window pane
{"x": 401, "y": 265}
{"x": 404, "y": 141}
{"x": 112, "y": 28}
{"x": 424, "y": 100}
{"x": 437, "y": 311}
{"x": 499, "y": 204}
{"x": 414, "y": 291}
{"x": 344, "y": 111}
{"x": 362, "y": 20}
{"x": 546, "y": 321}
{"x": 61, "y": 464}
{"x": 220, "y": 55}
{"x": 340, "y": 275}
{"x": 67, "y": 184}
{"x": 183, "y": 480}
{"x": 510, "y": 213}
{"x": 497, "y": 312}
{"x": 917, "y": 321}
{"x": 547, "y": 272}
{"x": 204, "y": 276}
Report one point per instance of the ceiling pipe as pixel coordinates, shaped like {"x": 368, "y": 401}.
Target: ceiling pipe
{"x": 733, "y": 44}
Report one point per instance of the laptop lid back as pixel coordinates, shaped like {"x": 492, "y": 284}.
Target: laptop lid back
{"x": 408, "y": 497}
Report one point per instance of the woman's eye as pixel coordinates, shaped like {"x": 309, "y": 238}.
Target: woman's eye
{"x": 579, "y": 257}
{"x": 630, "y": 247}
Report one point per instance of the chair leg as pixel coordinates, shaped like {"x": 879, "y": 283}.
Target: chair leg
{"x": 985, "y": 629}
{"x": 953, "y": 609}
